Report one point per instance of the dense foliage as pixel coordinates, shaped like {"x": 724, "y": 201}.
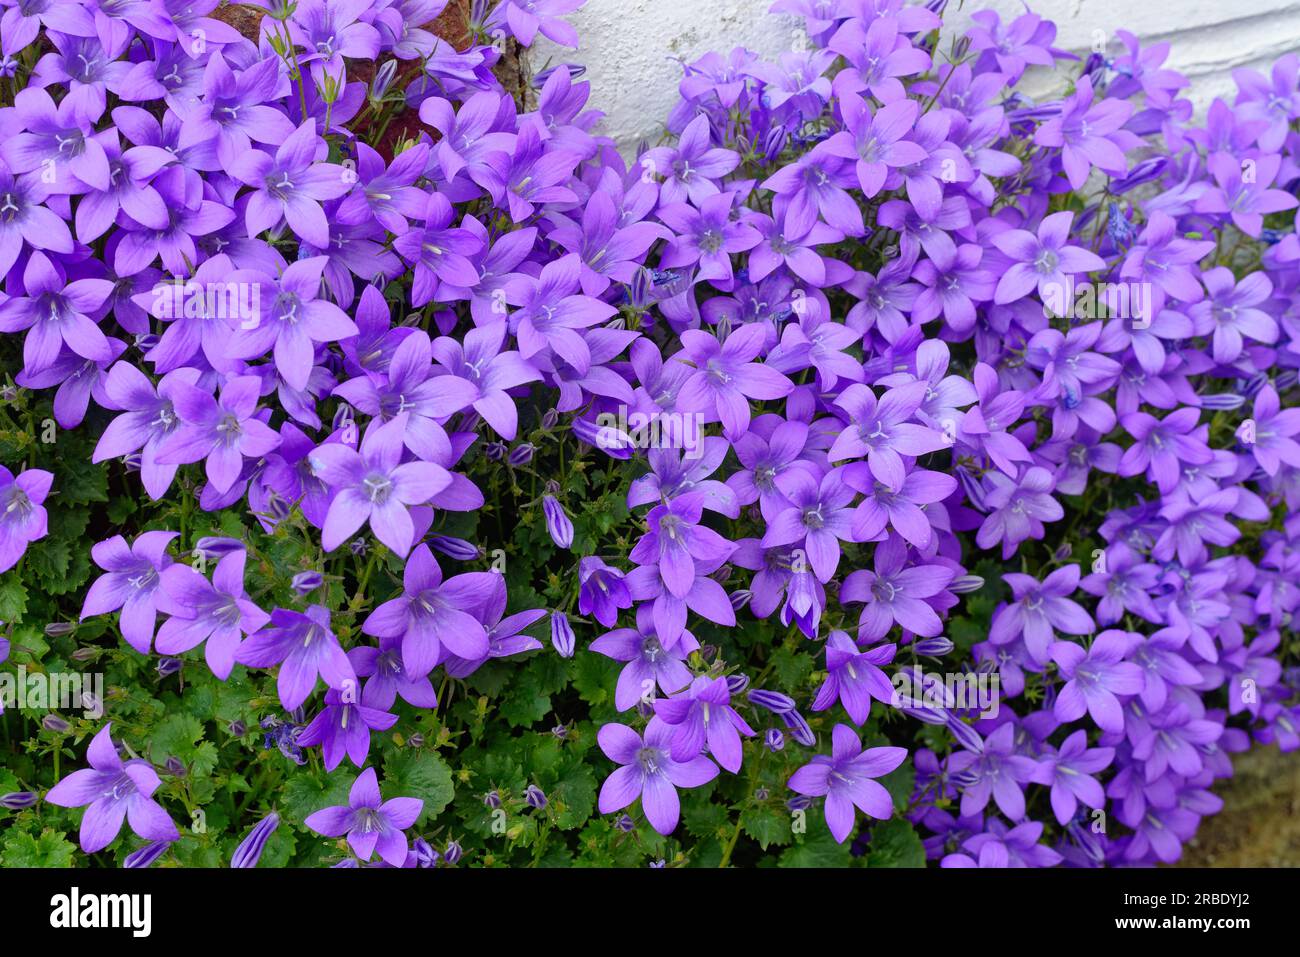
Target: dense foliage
{"x": 396, "y": 474}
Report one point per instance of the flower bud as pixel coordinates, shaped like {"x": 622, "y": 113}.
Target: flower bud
{"x": 774, "y": 740}
{"x": 965, "y": 584}
{"x": 535, "y": 797}
{"x": 17, "y": 800}
{"x": 304, "y": 583}
{"x": 217, "y": 545}
{"x": 456, "y": 548}
{"x": 138, "y": 860}
{"x": 52, "y": 722}
{"x": 250, "y": 849}
{"x": 562, "y": 637}
{"x": 57, "y": 629}
{"x": 558, "y": 524}
{"x": 933, "y": 647}
{"x": 521, "y": 454}
{"x": 799, "y": 729}
{"x": 453, "y": 852}
{"x": 771, "y": 700}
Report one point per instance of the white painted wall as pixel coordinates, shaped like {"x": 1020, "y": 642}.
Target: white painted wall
{"x": 629, "y": 46}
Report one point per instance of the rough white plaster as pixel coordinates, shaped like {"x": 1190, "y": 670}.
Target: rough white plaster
{"x": 631, "y": 48}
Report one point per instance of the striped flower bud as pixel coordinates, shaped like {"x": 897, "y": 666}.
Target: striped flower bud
{"x": 250, "y": 849}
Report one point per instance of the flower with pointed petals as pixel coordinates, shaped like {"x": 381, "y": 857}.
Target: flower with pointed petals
{"x": 432, "y": 614}
{"x": 647, "y": 662}
{"x": 303, "y": 645}
{"x": 291, "y": 186}
{"x": 23, "y": 519}
{"x": 131, "y": 579}
{"x": 343, "y": 726}
{"x": 647, "y": 771}
{"x": 1096, "y": 678}
{"x": 853, "y": 677}
{"x": 113, "y": 790}
{"x": 374, "y": 486}
{"x": 223, "y": 431}
{"x": 727, "y": 376}
{"x": 845, "y": 779}
{"x": 56, "y": 313}
{"x": 216, "y": 612}
{"x": 371, "y": 823}
{"x": 702, "y": 716}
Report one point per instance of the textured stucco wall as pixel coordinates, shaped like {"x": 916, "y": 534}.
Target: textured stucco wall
{"x": 630, "y": 47}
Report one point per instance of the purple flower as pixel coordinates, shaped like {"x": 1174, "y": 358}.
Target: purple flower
{"x": 647, "y": 770}
{"x": 648, "y": 662}
{"x": 291, "y": 186}
{"x": 896, "y": 593}
{"x": 113, "y": 790}
{"x": 1096, "y": 678}
{"x": 853, "y": 677}
{"x": 726, "y": 376}
{"x": 373, "y": 486}
{"x": 1037, "y": 609}
{"x": 57, "y": 313}
{"x": 702, "y": 716}
{"x": 131, "y": 579}
{"x": 602, "y": 591}
{"x": 22, "y": 514}
{"x": 996, "y": 771}
{"x": 876, "y": 141}
{"x": 1017, "y": 509}
{"x": 223, "y": 431}
{"x": 676, "y": 542}
{"x": 386, "y": 677}
{"x": 343, "y": 727}
{"x": 816, "y": 514}
{"x": 1044, "y": 262}
{"x": 692, "y": 169}
{"x": 303, "y": 646}
{"x": 371, "y": 823}
{"x": 1069, "y": 771}
{"x": 432, "y": 615}
{"x": 216, "y": 612}
{"x": 845, "y": 778}
{"x": 1088, "y": 134}
{"x": 880, "y": 430}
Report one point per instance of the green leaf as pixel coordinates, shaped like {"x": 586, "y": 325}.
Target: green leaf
{"x": 421, "y": 775}
{"x": 817, "y": 849}
{"x": 13, "y": 599}
{"x": 767, "y": 825}
{"x": 895, "y": 844}
{"x": 51, "y": 849}
{"x": 577, "y": 793}
{"x": 306, "y": 794}
{"x": 176, "y": 736}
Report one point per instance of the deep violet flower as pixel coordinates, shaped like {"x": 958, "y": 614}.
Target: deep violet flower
{"x": 647, "y": 770}
{"x": 370, "y": 823}
{"x": 113, "y": 790}
{"x": 845, "y": 777}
